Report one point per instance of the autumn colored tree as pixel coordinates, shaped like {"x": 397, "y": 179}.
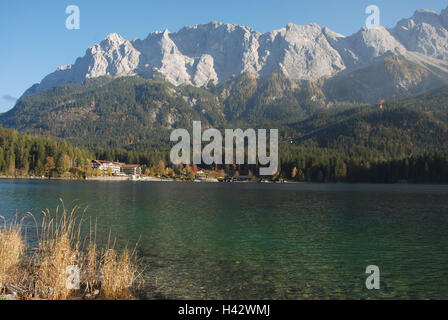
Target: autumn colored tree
{"x": 49, "y": 166}
{"x": 294, "y": 173}
{"x": 161, "y": 168}
{"x": 88, "y": 170}
{"x": 63, "y": 164}
{"x": 221, "y": 173}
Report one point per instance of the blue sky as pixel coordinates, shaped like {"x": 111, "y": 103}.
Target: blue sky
{"x": 34, "y": 40}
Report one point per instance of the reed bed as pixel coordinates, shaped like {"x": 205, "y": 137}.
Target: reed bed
{"x": 63, "y": 264}
{"x": 12, "y": 248}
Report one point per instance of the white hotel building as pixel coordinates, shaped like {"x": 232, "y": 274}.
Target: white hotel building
{"x": 116, "y": 168}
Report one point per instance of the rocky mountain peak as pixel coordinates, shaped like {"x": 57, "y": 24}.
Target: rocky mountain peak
{"x": 425, "y": 32}
{"x": 114, "y": 38}
{"x": 426, "y": 16}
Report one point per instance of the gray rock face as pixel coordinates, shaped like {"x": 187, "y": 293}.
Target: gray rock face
{"x": 229, "y": 49}
{"x": 426, "y": 33}
{"x": 217, "y": 52}
{"x": 300, "y": 52}
{"x": 365, "y": 47}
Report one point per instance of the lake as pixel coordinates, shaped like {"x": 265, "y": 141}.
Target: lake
{"x": 265, "y": 241}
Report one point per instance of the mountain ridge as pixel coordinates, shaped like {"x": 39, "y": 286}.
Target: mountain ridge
{"x": 216, "y": 52}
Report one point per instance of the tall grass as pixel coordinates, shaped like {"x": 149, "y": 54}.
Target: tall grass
{"x": 119, "y": 273}
{"x": 58, "y": 249}
{"x": 104, "y": 273}
{"x": 12, "y": 248}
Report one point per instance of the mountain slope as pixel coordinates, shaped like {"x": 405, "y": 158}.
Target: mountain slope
{"x": 394, "y": 76}
{"x": 401, "y": 128}
{"x": 136, "y": 112}
{"x": 139, "y": 114}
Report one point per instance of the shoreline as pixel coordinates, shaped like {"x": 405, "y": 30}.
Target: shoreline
{"x": 153, "y": 179}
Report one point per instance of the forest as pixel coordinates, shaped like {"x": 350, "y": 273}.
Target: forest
{"x": 26, "y": 155}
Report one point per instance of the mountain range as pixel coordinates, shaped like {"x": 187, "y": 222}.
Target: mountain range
{"x": 217, "y": 52}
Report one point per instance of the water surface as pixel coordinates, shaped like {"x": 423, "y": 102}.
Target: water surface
{"x": 265, "y": 241}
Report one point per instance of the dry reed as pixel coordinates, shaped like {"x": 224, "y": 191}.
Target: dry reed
{"x": 12, "y": 248}
{"x": 105, "y": 274}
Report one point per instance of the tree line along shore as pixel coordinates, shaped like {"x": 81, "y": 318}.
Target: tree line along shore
{"x": 28, "y": 156}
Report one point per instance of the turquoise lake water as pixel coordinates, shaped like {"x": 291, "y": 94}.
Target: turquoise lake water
{"x": 265, "y": 241}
